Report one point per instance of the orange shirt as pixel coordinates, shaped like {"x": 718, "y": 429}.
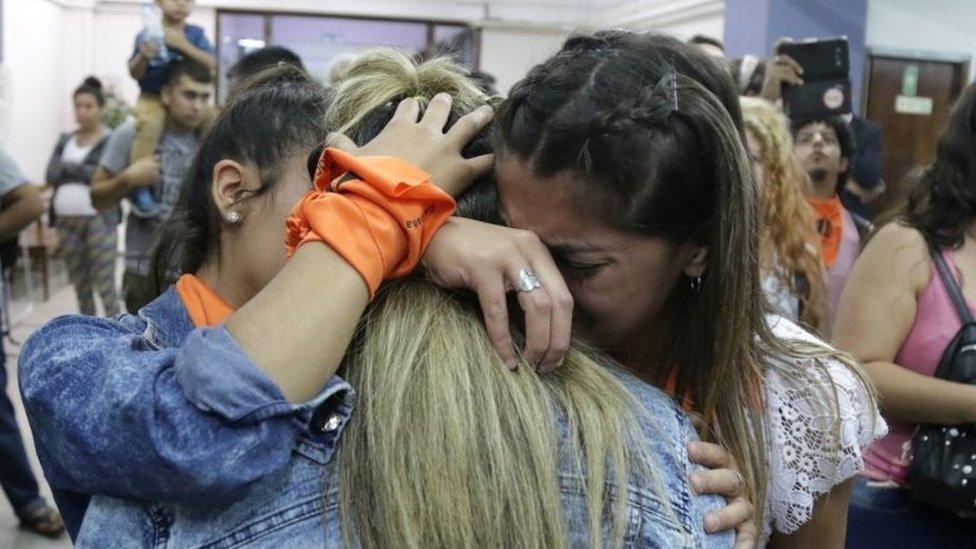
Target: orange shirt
{"x": 206, "y": 308}
{"x": 830, "y": 225}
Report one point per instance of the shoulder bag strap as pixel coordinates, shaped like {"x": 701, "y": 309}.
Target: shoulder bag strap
{"x": 950, "y": 283}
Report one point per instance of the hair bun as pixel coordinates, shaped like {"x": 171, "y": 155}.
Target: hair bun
{"x": 92, "y": 82}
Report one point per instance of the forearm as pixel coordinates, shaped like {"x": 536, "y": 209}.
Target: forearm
{"x": 827, "y": 527}
{"x": 298, "y": 327}
{"x": 112, "y": 417}
{"x": 138, "y": 66}
{"x": 106, "y": 193}
{"x": 910, "y": 396}
{"x": 20, "y": 213}
{"x": 200, "y": 56}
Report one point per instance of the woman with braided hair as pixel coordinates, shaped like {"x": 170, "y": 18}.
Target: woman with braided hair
{"x": 624, "y": 154}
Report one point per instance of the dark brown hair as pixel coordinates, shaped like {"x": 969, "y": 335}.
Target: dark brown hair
{"x": 943, "y": 206}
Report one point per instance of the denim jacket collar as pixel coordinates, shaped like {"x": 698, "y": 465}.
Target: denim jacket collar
{"x": 167, "y": 320}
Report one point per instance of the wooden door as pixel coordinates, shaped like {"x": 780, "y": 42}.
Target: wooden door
{"x": 911, "y": 98}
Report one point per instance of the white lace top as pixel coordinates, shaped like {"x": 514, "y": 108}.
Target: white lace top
{"x": 803, "y": 460}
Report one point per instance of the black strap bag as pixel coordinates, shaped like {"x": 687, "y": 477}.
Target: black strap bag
{"x": 943, "y": 468}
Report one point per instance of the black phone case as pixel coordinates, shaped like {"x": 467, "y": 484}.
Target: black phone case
{"x": 826, "y": 90}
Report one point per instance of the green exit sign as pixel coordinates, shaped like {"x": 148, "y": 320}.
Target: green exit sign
{"x": 909, "y": 81}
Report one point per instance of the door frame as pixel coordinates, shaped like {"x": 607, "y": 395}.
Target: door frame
{"x": 962, "y": 59}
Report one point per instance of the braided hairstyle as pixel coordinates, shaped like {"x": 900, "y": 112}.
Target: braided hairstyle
{"x": 652, "y": 128}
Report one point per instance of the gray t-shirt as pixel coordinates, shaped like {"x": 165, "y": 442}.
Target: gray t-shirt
{"x": 175, "y": 153}
{"x": 10, "y": 175}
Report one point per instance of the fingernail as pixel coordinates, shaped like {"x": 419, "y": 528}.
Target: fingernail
{"x": 692, "y": 450}
{"x": 709, "y": 524}
{"x": 695, "y": 483}
{"x": 511, "y": 363}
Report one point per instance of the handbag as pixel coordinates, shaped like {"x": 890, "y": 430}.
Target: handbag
{"x": 943, "y": 468}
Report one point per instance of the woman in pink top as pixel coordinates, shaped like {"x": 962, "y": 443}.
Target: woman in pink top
{"x": 896, "y": 317}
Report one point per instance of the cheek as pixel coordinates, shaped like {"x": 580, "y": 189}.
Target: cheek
{"x": 614, "y": 300}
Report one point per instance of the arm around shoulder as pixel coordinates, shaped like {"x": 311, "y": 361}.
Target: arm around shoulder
{"x": 112, "y": 417}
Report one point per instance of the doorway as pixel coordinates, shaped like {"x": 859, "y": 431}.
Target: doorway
{"x": 911, "y": 95}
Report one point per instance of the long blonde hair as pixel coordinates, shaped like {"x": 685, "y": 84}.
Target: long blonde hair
{"x": 789, "y": 244}
{"x": 447, "y": 448}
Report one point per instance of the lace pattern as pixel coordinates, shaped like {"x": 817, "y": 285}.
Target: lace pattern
{"x": 804, "y": 461}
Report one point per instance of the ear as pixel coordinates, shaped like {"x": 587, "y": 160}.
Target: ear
{"x": 844, "y": 165}
{"x": 165, "y": 96}
{"x": 229, "y": 185}
{"x": 697, "y": 262}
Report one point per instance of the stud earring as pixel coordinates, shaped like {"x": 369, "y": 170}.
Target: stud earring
{"x": 232, "y": 217}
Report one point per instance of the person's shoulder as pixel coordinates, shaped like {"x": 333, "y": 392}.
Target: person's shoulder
{"x": 820, "y": 416}
{"x": 896, "y": 233}
{"x": 70, "y": 336}
{"x": 68, "y": 327}
{"x": 123, "y": 133}
{"x": 654, "y": 400}
{"x": 809, "y": 369}
{"x": 901, "y": 251}
{"x": 195, "y": 33}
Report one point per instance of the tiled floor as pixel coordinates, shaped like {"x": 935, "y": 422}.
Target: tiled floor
{"x": 28, "y": 317}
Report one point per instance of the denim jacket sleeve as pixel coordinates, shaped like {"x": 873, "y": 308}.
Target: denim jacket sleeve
{"x": 115, "y": 415}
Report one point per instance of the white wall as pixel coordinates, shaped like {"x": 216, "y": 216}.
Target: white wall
{"x": 508, "y": 52}
{"x": 34, "y": 61}
{"x": 51, "y": 45}
{"x": 117, "y": 24}
{"x": 944, "y": 26}
{"x": 682, "y": 18}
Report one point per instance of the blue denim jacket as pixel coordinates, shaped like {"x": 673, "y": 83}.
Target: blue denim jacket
{"x": 298, "y": 506}
{"x": 149, "y": 408}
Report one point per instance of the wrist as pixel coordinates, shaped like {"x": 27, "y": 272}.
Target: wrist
{"x": 389, "y": 216}
{"x": 125, "y": 181}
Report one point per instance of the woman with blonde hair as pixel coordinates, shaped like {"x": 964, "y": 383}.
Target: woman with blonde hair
{"x": 789, "y": 255}
{"x": 446, "y": 447}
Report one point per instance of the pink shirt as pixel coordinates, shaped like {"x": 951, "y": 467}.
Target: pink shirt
{"x": 936, "y": 323}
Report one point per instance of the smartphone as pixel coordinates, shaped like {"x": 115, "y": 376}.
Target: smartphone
{"x": 826, "y": 90}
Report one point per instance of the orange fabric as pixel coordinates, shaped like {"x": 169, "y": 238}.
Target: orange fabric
{"x": 671, "y": 388}
{"x": 830, "y": 225}
{"x": 205, "y": 307}
{"x": 380, "y": 223}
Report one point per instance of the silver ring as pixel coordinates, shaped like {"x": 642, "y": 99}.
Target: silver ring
{"x": 527, "y": 281}
{"x": 740, "y": 480}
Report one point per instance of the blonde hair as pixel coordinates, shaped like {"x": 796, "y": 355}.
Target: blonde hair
{"x": 447, "y": 448}
{"x": 382, "y": 75}
{"x": 789, "y": 245}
